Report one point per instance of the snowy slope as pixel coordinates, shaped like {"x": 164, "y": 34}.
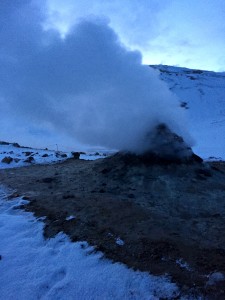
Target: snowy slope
{"x": 202, "y": 94}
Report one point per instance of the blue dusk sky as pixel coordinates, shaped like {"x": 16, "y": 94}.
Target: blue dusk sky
{"x": 186, "y": 33}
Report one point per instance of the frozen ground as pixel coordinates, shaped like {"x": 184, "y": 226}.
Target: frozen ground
{"x": 20, "y": 156}
{"x": 34, "y": 268}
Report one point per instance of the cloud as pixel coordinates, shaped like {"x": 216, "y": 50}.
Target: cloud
{"x": 136, "y": 21}
{"x": 86, "y": 87}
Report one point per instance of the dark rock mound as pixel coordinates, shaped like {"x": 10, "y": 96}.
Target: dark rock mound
{"x": 165, "y": 147}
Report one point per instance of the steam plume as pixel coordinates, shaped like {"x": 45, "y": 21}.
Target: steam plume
{"x": 87, "y": 87}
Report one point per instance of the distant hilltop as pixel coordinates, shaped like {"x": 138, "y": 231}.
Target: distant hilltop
{"x": 173, "y": 69}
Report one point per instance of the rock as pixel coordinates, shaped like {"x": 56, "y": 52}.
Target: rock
{"x": 48, "y": 179}
{"x": 27, "y": 153}
{"x": 7, "y": 160}
{"x": 16, "y": 160}
{"x": 64, "y": 155}
{"x": 45, "y": 155}
{"x": 76, "y": 155}
{"x": 30, "y": 159}
{"x": 16, "y": 145}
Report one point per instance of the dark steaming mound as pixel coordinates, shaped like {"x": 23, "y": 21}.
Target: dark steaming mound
{"x": 165, "y": 147}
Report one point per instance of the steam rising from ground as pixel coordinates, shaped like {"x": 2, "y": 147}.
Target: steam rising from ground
{"x": 87, "y": 87}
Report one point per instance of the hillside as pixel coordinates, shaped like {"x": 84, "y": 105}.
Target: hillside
{"x": 202, "y": 94}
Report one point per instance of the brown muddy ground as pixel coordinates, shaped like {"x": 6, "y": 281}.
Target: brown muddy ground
{"x": 166, "y": 214}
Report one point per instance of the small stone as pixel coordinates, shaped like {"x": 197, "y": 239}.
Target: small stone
{"x": 16, "y": 160}
{"x": 47, "y": 180}
{"x": 7, "y": 160}
{"x": 30, "y": 159}
{"x": 28, "y": 153}
{"x": 16, "y": 145}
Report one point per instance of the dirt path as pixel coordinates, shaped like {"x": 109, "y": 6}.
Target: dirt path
{"x": 158, "y": 218}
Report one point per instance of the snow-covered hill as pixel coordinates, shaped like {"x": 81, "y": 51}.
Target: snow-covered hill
{"x": 202, "y": 94}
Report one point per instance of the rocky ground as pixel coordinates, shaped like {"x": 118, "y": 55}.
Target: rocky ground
{"x": 157, "y": 217}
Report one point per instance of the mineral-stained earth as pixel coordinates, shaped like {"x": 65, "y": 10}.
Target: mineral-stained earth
{"x": 153, "y": 215}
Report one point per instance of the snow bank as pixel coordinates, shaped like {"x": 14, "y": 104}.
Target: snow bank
{"x": 34, "y": 268}
{"x": 20, "y": 156}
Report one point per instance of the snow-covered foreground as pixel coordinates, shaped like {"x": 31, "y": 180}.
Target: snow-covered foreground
{"x": 34, "y": 268}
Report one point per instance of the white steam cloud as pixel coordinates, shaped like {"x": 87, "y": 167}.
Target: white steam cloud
{"x": 87, "y": 87}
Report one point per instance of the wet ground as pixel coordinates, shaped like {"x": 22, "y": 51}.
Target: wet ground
{"x": 162, "y": 218}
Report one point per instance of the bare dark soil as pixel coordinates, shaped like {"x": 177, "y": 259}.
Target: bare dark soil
{"x": 163, "y": 212}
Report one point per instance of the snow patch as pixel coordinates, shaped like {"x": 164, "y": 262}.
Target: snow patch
{"x": 70, "y": 218}
{"x": 183, "y": 264}
{"x": 119, "y": 242}
{"x": 215, "y": 277}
